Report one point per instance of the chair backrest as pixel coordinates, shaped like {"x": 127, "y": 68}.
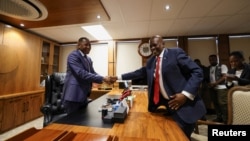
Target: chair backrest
{"x": 238, "y": 105}
{"x": 54, "y": 91}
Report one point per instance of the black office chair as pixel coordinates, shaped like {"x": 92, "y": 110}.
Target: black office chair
{"x": 53, "y": 106}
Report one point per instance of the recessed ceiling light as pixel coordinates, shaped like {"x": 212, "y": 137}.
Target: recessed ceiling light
{"x": 97, "y": 31}
{"x": 22, "y": 25}
{"x": 98, "y": 17}
{"x": 8, "y": 26}
{"x": 167, "y": 7}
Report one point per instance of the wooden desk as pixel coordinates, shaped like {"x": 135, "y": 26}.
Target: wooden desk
{"x": 46, "y": 135}
{"x": 89, "y": 137}
{"x": 95, "y": 93}
{"x": 139, "y": 124}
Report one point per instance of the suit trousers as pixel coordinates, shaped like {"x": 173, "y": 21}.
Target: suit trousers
{"x": 214, "y": 97}
{"x": 71, "y": 106}
{"x": 223, "y": 103}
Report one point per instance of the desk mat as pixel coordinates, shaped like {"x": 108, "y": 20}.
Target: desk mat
{"x": 89, "y": 116}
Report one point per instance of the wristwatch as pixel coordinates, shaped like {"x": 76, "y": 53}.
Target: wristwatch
{"x": 144, "y": 50}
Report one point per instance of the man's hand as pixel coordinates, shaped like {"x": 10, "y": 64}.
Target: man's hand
{"x": 177, "y": 100}
{"x": 113, "y": 79}
{"x": 107, "y": 80}
{"x": 231, "y": 77}
{"x": 110, "y": 79}
{"x": 212, "y": 85}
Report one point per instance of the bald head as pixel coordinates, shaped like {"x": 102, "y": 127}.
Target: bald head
{"x": 156, "y": 44}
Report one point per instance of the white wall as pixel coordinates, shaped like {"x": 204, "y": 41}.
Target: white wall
{"x": 98, "y": 54}
{"x": 240, "y": 44}
{"x": 171, "y": 43}
{"x": 64, "y": 52}
{"x": 201, "y": 48}
{"x": 128, "y": 58}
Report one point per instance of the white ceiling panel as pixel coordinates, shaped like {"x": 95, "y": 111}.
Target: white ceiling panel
{"x": 197, "y": 8}
{"x": 145, "y": 18}
{"x": 229, "y": 7}
{"x": 136, "y": 10}
{"x": 160, "y": 27}
{"x": 206, "y": 25}
{"x": 183, "y": 26}
{"x": 159, "y": 12}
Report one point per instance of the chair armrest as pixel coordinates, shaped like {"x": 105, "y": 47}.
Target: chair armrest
{"x": 207, "y": 122}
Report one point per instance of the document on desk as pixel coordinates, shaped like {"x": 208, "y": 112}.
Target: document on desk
{"x": 138, "y": 87}
{"x": 125, "y": 104}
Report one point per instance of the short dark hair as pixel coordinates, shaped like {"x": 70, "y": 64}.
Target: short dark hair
{"x": 237, "y": 54}
{"x": 197, "y": 60}
{"x": 83, "y": 38}
{"x": 156, "y": 36}
{"x": 80, "y": 40}
{"x": 212, "y": 55}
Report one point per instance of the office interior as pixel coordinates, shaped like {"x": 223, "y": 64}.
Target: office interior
{"x": 26, "y": 58}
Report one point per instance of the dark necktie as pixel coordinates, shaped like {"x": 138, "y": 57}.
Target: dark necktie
{"x": 156, "y": 83}
{"x": 87, "y": 62}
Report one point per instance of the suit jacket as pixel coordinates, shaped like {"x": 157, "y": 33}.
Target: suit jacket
{"x": 244, "y": 78}
{"x": 179, "y": 72}
{"x": 79, "y": 78}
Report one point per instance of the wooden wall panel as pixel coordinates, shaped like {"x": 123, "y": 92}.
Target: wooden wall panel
{"x": 224, "y": 49}
{"x": 111, "y": 58}
{"x": 26, "y": 51}
{"x": 183, "y": 43}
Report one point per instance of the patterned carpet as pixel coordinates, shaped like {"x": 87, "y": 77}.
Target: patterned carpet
{"x": 37, "y": 123}
{"x": 202, "y": 136}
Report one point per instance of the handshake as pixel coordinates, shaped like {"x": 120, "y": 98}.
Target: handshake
{"x": 110, "y": 79}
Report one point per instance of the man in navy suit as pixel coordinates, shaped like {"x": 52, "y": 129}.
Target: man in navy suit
{"x": 80, "y": 76}
{"x": 179, "y": 80}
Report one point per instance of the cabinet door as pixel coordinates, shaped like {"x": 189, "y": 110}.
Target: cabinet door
{"x": 45, "y": 59}
{"x": 49, "y": 59}
{"x": 19, "y": 106}
{"x": 13, "y": 113}
{"x": 33, "y": 104}
{"x": 56, "y": 58}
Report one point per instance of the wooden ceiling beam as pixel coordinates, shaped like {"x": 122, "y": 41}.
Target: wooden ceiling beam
{"x": 65, "y": 13}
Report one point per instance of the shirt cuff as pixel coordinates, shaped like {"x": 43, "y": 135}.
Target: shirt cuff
{"x": 119, "y": 77}
{"x": 188, "y": 95}
{"x": 229, "y": 83}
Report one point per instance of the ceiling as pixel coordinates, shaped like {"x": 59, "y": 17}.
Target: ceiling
{"x": 129, "y": 19}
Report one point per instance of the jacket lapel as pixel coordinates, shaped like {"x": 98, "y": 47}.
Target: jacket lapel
{"x": 82, "y": 60}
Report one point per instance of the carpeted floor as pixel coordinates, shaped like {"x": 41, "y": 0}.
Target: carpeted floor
{"x": 37, "y": 123}
{"x": 202, "y": 136}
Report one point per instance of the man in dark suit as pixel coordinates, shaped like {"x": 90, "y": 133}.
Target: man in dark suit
{"x": 80, "y": 76}
{"x": 179, "y": 80}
